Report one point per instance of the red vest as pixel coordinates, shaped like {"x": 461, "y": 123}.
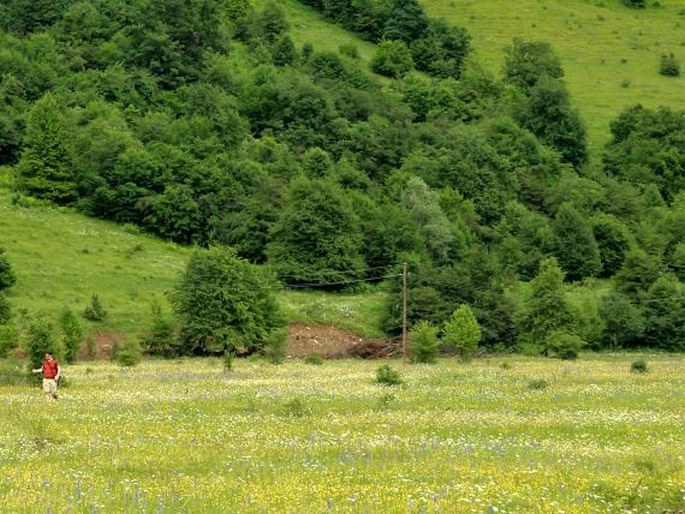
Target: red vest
{"x": 50, "y": 369}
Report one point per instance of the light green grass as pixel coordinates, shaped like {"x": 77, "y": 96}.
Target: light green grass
{"x": 61, "y": 258}
{"x": 602, "y": 45}
{"x": 359, "y": 313}
{"x": 187, "y": 437}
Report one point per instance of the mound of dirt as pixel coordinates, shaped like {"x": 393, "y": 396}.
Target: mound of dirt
{"x": 329, "y": 342}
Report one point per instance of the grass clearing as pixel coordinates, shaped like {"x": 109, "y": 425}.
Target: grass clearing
{"x": 185, "y": 436}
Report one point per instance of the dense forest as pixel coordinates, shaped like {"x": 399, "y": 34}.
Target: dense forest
{"x": 203, "y": 123}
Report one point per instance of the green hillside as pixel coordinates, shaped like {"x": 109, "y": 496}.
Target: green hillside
{"x": 335, "y": 141}
{"x": 610, "y": 53}
{"x": 61, "y": 258}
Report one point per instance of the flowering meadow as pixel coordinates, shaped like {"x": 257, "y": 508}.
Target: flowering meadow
{"x": 500, "y": 434}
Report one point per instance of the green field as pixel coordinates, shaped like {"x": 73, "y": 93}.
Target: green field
{"x": 610, "y": 53}
{"x": 187, "y": 436}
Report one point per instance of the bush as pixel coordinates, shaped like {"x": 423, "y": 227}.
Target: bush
{"x": 72, "y": 335}
{"x": 635, "y": 4}
{"x": 670, "y": 66}
{"x": 94, "y": 311}
{"x": 314, "y": 358}
{"x": 11, "y": 373}
{"x": 40, "y": 340}
{"x": 424, "y": 344}
{"x": 639, "y": 366}
{"x": 385, "y": 375}
{"x": 538, "y": 384}
{"x": 9, "y": 340}
{"x": 129, "y": 354}
{"x": 563, "y": 345}
{"x": 160, "y": 339}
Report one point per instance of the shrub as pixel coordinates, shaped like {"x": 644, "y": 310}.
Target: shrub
{"x": 228, "y": 361}
{"x": 424, "y": 342}
{"x": 462, "y": 332}
{"x": 295, "y": 408}
{"x": 635, "y": 4}
{"x": 639, "y": 366}
{"x": 385, "y": 375}
{"x": 538, "y": 384}
{"x": 129, "y": 354}
{"x": 40, "y": 340}
{"x": 72, "y": 335}
{"x": 11, "y": 373}
{"x": 94, "y": 311}
{"x": 9, "y": 340}
{"x": 159, "y": 339}
{"x": 313, "y": 358}
{"x": 5, "y": 310}
{"x": 670, "y": 66}
{"x": 563, "y": 345}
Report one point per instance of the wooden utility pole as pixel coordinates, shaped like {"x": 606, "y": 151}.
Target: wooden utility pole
{"x": 404, "y": 311}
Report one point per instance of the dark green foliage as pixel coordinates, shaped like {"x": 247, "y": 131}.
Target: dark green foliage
{"x": 612, "y": 241}
{"x": 547, "y": 309}
{"x": 40, "y": 339}
{"x": 224, "y": 303}
{"x": 423, "y": 343}
{"x": 7, "y": 276}
{"x": 576, "y": 248}
{"x": 46, "y": 165}
{"x": 526, "y": 62}
{"x": 441, "y": 49}
{"x": 635, "y": 4}
{"x": 664, "y": 306}
{"x": 284, "y": 53}
{"x": 563, "y": 345}
{"x": 387, "y": 376}
{"x": 317, "y": 237}
{"x": 639, "y": 366}
{"x": 406, "y": 22}
{"x": 637, "y": 273}
{"x": 669, "y": 66}
{"x": 392, "y": 59}
{"x": 94, "y": 311}
{"x": 72, "y": 335}
{"x": 547, "y": 112}
{"x": 624, "y": 322}
{"x": 129, "y": 354}
{"x": 462, "y": 332}
{"x": 160, "y": 339}
{"x": 314, "y": 359}
{"x": 648, "y": 148}
{"x": 9, "y": 338}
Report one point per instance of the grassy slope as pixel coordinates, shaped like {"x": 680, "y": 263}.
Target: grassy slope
{"x": 602, "y": 44}
{"x": 61, "y": 258}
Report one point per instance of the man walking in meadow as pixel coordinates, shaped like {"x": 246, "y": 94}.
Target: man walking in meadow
{"x": 51, "y": 370}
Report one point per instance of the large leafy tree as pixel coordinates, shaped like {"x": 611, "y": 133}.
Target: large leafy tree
{"x": 317, "y": 237}
{"x": 224, "y": 304}
{"x": 576, "y": 247}
{"x": 547, "y": 309}
{"x": 46, "y": 165}
{"x": 648, "y": 146}
{"x": 526, "y": 62}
